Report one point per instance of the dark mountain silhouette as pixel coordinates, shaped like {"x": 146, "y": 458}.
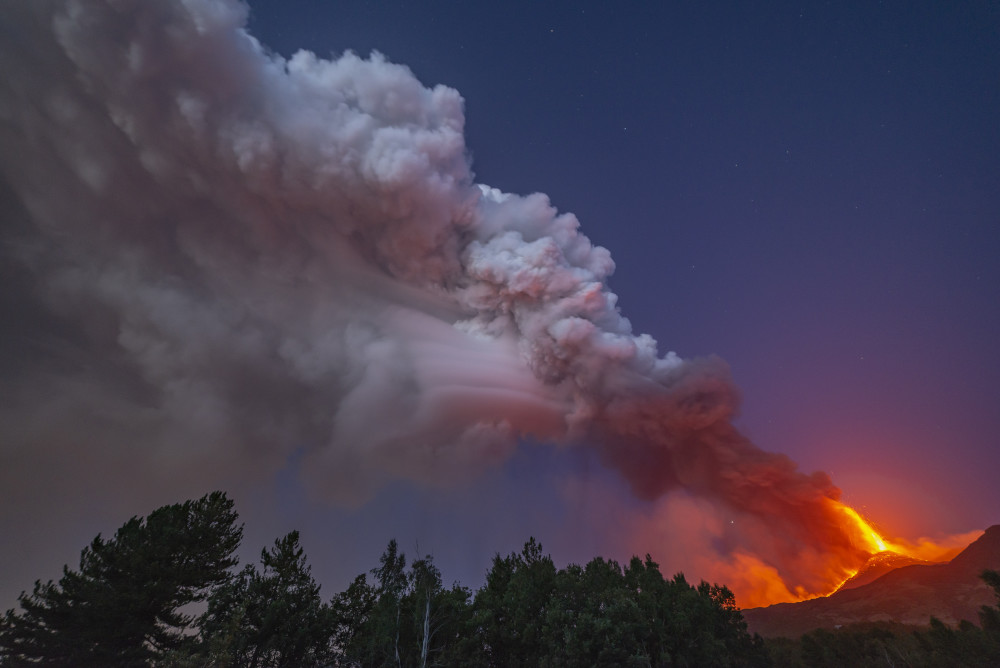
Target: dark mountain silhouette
{"x": 908, "y": 594}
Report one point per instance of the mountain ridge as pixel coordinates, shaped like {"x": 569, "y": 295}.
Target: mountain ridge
{"x": 909, "y": 594}
{"x": 878, "y": 565}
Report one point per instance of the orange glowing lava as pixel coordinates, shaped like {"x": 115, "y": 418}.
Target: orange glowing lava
{"x": 757, "y": 583}
{"x": 863, "y": 532}
{"x": 925, "y": 549}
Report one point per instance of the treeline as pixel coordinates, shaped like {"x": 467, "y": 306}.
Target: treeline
{"x": 891, "y": 644}
{"x": 130, "y": 602}
{"x": 165, "y": 591}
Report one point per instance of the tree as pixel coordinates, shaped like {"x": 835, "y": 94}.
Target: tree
{"x": 989, "y": 616}
{"x": 440, "y": 619}
{"x": 270, "y": 618}
{"x": 508, "y": 610}
{"x": 592, "y": 619}
{"x": 123, "y": 606}
{"x": 967, "y": 645}
{"x": 391, "y": 577}
{"x": 369, "y": 617}
{"x": 704, "y": 627}
{"x": 884, "y": 643}
{"x": 404, "y": 618}
{"x": 530, "y": 613}
{"x": 352, "y": 612}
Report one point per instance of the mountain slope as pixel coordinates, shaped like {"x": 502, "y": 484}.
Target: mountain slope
{"x": 877, "y": 566}
{"x": 910, "y": 594}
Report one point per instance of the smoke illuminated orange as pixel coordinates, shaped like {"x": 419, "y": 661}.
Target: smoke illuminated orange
{"x": 924, "y": 549}
{"x": 758, "y": 584}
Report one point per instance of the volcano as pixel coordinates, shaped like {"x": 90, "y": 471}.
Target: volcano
{"x": 896, "y": 588}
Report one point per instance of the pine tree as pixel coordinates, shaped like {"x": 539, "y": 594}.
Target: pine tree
{"x": 123, "y": 606}
{"x": 273, "y": 617}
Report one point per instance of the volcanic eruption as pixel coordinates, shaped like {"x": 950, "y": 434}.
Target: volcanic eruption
{"x": 248, "y": 253}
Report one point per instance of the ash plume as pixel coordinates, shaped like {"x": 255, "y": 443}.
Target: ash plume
{"x": 220, "y": 256}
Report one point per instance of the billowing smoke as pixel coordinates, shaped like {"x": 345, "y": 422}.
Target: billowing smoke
{"x": 224, "y": 257}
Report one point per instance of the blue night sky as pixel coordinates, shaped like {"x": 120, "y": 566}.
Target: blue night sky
{"x": 810, "y": 191}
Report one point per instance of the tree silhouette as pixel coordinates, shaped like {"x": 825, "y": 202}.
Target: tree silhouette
{"x": 123, "y": 606}
{"x": 273, "y": 617}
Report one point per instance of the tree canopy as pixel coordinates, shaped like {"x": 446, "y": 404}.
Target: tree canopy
{"x": 272, "y": 617}
{"x": 129, "y": 604}
{"x": 123, "y": 606}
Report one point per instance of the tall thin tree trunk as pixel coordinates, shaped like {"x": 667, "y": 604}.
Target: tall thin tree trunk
{"x": 399, "y": 664}
{"x": 427, "y": 634}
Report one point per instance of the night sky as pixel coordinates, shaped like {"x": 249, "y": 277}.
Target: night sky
{"x": 810, "y": 191}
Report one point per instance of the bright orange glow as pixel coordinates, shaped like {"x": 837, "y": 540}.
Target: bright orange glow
{"x": 863, "y": 531}
{"x": 786, "y": 552}
{"x": 756, "y": 583}
{"x": 925, "y": 549}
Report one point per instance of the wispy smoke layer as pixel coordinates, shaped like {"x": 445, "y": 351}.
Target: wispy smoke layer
{"x": 225, "y": 256}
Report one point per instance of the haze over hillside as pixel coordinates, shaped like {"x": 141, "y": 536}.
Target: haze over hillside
{"x": 910, "y": 594}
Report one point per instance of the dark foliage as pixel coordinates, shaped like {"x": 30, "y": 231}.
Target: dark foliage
{"x": 272, "y": 617}
{"x": 531, "y": 613}
{"x": 122, "y": 607}
{"x": 404, "y": 618}
{"x": 865, "y": 645}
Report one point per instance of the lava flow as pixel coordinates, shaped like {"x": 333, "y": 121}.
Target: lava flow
{"x": 925, "y": 549}
{"x": 863, "y": 531}
{"x": 756, "y": 583}
{"x": 864, "y": 535}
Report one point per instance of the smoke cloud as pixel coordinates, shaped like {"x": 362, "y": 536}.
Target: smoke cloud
{"x": 218, "y": 257}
